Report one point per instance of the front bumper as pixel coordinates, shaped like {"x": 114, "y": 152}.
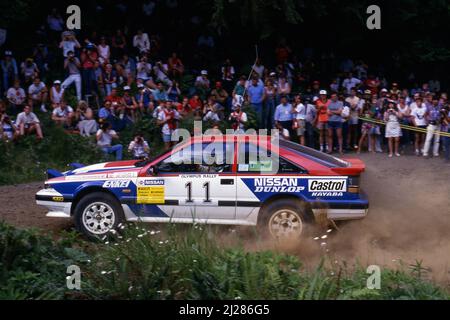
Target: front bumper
{"x": 58, "y": 206}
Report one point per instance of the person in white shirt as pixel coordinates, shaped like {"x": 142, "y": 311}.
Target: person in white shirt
{"x": 69, "y": 43}
{"x": 63, "y": 114}
{"x": 143, "y": 69}
{"x": 141, "y": 42}
{"x": 139, "y": 147}
{"x": 300, "y": 119}
{"x": 56, "y": 93}
{"x": 355, "y": 109}
{"x": 105, "y": 136}
{"x": 28, "y": 123}
{"x": 167, "y": 119}
{"x": 350, "y": 82}
{"x": 16, "y": 97}
{"x": 418, "y": 116}
{"x": 104, "y": 51}
{"x": 38, "y": 93}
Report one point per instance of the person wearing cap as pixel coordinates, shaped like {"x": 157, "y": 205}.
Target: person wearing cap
{"x": 16, "y": 97}
{"x": 56, "y": 94}
{"x": 88, "y": 58}
{"x": 10, "y": 72}
{"x": 29, "y": 70}
{"x": 202, "y": 83}
{"x": 238, "y": 119}
{"x": 322, "y": 119}
{"x": 72, "y": 65}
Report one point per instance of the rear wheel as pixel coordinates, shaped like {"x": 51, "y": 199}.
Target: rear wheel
{"x": 97, "y": 214}
{"x": 283, "y": 219}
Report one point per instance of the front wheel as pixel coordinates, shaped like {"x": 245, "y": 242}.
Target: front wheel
{"x": 97, "y": 214}
{"x": 284, "y": 219}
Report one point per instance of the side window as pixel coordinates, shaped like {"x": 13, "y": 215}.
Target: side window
{"x": 249, "y": 160}
{"x": 200, "y": 158}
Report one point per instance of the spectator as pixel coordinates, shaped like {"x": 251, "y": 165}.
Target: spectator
{"x": 126, "y": 69}
{"x": 270, "y": 103}
{"x": 56, "y": 94}
{"x": 184, "y": 108}
{"x": 89, "y": 57}
{"x": 393, "y": 130}
{"x": 104, "y": 51}
{"x": 161, "y": 71}
{"x": 259, "y": 68}
{"x": 72, "y": 65}
{"x": 355, "y": 110}
{"x": 9, "y": 70}
{"x": 28, "y": 123}
{"x": 350, "y": 82}
{"x": 335, "y": 108}
{"x": 38, "y": 94}
{"x": 55, "y": 24}
{"x": 256, "y": 98}
{"x": 375, "y": 130}
{"x": 446, "y": 128}
{"x": 166, "y": 119}
{"x": 174, "y": 91}
{"x": 418, "y": 116}
{"x": 105, "y": 136}
{"x": 366, "y": 129}
{"x": 227, "y": 74}
{"x": 405, "y": 114}
{"x": 109, "y": 78}
{"x": 144, "y": 99}
{"x": 176, "y": 67}
{"x": 202, "y": 83}
{"x": 85, "y": 118}
{"x": 63, "y": 115}
{"x": 434, "y": 117}
{"x": 238, "y": 119}
{"x": 284, "y": 114}
{"x": 105, "y": 113}
{"x": 130, "y": 104}
{"x": 144, "y": 69}
{"x": 29, "y": 70}
{"x": 322, "y": 119}
{"x": 300, "y": 119}
{"x": 141, "y": 42}
{"x": 310, "y": 118}
{"x": 118, "y": 44}
{"x": 239, "y": 89}
{"x": 220, "y": 95}
{"x": 196, "y": 103}
{"x": 69, "y": 43}
{"x": 8, "y": 130}
{"x": 139, "y": 147}
{"x": 16, "y": 97}
{"x": 160, "y": 94}
{"x": 283, "y": 89}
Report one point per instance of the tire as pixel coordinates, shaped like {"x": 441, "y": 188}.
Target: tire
{"x": 283, "y": 219}
{"x": 96, "y": 214}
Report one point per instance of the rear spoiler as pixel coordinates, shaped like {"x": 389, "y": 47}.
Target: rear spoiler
{"x": 355, "y": 168}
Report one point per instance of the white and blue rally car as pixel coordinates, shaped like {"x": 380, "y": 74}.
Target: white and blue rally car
{"x": 280, "y": 194}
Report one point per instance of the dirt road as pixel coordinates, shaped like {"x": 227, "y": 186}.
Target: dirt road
{"x": 409, "y": 216}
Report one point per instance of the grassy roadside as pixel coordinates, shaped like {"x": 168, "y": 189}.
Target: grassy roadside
{"x": 182, "y": 263}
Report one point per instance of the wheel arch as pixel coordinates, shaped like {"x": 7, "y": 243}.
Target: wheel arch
{"x": 298, "y": 199}
{"x": 87, "y": 190}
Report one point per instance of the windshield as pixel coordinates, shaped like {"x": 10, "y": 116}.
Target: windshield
{"x": 305, "y": 151}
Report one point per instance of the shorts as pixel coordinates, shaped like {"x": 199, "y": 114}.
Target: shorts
{"x": 301, "y": 127}
{"x": 375, "y": 130}
{"x": 334, "y": 125}
{"x": 322, "y": 125}
{"x": 167, "y": 138}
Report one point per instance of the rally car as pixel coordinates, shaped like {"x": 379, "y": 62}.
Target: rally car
{"x": 279, "y": 187}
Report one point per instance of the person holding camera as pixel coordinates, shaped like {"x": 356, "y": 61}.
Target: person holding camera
{"x": 393, "y": 130}
{"x": 144, "y": 99}
{"x": 434, "y": 116}
{"x": 104, "y": 136}
{"x": 139, "y": 147}
{"x": 238, "y": 119}
{"x": 8, "y": 130}
{"x": 72, "y": 65}
{"x": 85, "y": 117}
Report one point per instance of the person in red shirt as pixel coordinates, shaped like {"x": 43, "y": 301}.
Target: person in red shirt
{"x": 184, "y": 107}
{"x": 195, "y": 102}
{"x": 373, "y": 84}
{"x": 322, "y": 118}
{"x": 88, "y": 57}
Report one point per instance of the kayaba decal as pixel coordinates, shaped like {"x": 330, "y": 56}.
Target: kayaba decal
{"x": 327, "y": 187}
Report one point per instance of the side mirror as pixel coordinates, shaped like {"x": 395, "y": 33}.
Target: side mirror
{"x": 152, "y": 171}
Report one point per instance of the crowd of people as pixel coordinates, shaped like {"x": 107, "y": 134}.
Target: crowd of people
{"x": 118, "y": 79}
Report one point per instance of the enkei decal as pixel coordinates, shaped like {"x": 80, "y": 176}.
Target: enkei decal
{"x": 116, "y": 184}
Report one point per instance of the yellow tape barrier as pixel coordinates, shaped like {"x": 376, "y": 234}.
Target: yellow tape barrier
{"x": 406, "y": 127}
